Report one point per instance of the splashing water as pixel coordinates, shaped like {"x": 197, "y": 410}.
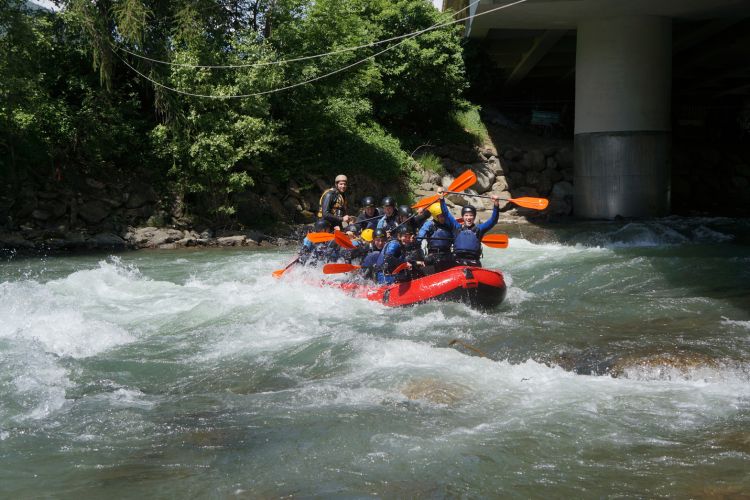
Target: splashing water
{"x": 618, "y": 365}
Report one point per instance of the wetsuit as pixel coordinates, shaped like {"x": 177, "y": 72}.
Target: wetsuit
{"x": 467, "y": 242}
{"x": 333, "y": 207}
{"x": 439, "y": 239}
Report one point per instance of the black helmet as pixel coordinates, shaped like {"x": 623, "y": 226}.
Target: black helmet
{"x": 468, "y": 209}
{"x": 404, "y": 229}
{"x": 368, "y": 201}
{"x": 379, "y": 233}
{"x": 405, "y": 210}
{"x": 388, "y": 202}
{"x": 352, "y": 228}
{"x": 321, "y": 225}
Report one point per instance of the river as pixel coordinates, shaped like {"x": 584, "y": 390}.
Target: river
{"x": 619, "y": 365}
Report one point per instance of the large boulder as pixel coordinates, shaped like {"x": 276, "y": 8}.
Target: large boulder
{"x": 485, "y": 178}
{"x": 534, "y": 160}
{"x": 93, "y": 211}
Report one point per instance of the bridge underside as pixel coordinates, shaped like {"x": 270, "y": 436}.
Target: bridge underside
{"x": 629, "y": 73}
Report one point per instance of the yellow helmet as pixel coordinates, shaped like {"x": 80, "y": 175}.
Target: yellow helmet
{"x": 435, "y": 210}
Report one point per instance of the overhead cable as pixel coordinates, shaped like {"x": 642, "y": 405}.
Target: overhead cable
{"x": 321, "y": 77}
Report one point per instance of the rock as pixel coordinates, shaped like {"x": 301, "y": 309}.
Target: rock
{"x": 449, "y": 164}
{"x": 485, "y": 178}
{"x": 513, "y": 154}
{"x": 93, "y": 211}
{"x": 447, "y": 180}
{"x": 563, "y": 190}
{"x": 231, "y": 241}
{"x": 534, "y": 160}
{"x": 106, "y": 240}
{"x": 12, "y": 240}
{"x": 94, "y": 183}
{"x": 559, "y": 206}
{"x": 568, "y": 174}
{"x": 501, "y": 184}
{"x": 496, "y": 166}
{"x": 551, "y": 163}
{"x": 41, "y": 215}
{"x": 152, "y": 237}
{"x": 516, "y": 179}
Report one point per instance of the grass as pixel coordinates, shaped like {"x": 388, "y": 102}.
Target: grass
{"x": 431, "y": 163}
{"x": 471, "y": 122}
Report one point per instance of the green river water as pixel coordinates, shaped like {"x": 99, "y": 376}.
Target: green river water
{"x": 618, "y": 366}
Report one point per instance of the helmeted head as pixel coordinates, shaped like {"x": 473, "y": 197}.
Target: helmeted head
{"x": 389, "y": 205}
{"x": 404, "y": 233}
{"x": 341, "y": 182}
{"x": 368, "y": 204}
{"x": 322, "y": 225}
{"x": 379, "y": 237}
{"x": 437, "y": 212}
{"x": 352, "y": 228}
{"x": 468, "y": 214}
{"x": 404, "y": 212}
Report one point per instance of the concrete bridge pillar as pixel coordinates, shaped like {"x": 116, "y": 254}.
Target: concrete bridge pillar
{"x": 622, "y": 117}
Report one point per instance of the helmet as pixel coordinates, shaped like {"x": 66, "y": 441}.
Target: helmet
{"x": 368, "y": 201}
{"x": 352, "y": 228}
{"x": 405, "y": 210}
{"x": 388, "y": 202}
{"x": 435, "y": 210}
{"x": 340, "y": 177}
{"x": 404, "y": 229}
{"x": 378, "y": 233}
{"x": 468, "y": 209}
{"x": 321, "y": 225}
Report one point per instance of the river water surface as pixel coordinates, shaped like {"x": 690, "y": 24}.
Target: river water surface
{"x": 619, "y": 365}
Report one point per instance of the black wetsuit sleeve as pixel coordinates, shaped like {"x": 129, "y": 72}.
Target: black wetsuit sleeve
{"x": 325, "y": 207}
{"x": 422, "y": 218}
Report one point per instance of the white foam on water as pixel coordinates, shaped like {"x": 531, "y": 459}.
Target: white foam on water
{"x": 741, "y": 324}
{"x": 502, "y": 395}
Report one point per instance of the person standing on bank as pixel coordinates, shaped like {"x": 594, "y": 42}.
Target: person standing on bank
{"x": 467, "y": 242}
{"x": 333, "y": 206}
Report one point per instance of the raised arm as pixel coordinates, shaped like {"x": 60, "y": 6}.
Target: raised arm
{"x": 449, "y": 219}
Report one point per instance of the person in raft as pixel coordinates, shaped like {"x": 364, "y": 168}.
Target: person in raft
{"x": 361, "y": 247}
{"x": 369, "y": 263}
{"x": 467, "y": 236}
{"x": 333, "y": 206}
{"x": 370, "y": 215}
{"x": 388, "y": 222}
{"x": 439, "y": 237}
{"x": 395, "y": 253}
{"x": 313, "y": 254}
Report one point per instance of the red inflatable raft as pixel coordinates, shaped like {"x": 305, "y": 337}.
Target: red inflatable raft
{"x": 476, "y": 286}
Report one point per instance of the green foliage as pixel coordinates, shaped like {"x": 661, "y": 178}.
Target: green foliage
{"x": 470, "y": 120}
{"x": 431, "y": 163}
{"x": 70, "y": 97}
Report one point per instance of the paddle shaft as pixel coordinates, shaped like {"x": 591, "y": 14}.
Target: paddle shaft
{"x": 472, "y": 195}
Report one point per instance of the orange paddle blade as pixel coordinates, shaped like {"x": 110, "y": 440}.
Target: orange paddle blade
{"x": 339, "y": 268}
{"x": 496, "y": 240}
{"x": 277, "y": 273}
{"x": 463, "y": 181}
{"x": 320, "y": 237}
{"x": 426, "y": 202}
{"x": 529, "y": 202}
{"x": 343, "y": 240}
{"x": 400, "y": 268}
